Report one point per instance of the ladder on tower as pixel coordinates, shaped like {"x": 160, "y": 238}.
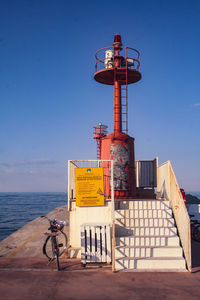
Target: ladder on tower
{"x": 124, "y": 103}
{"x": 124, "y": 99}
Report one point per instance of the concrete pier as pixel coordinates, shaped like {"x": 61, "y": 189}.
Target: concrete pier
{"x": 28, "y": 240}
{"x": 26, "y": 274}
{"x": 32, "y": 279}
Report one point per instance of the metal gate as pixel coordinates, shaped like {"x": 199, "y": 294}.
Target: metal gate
{"x": 95, "y": 243}
{"x": 146, "y": 173}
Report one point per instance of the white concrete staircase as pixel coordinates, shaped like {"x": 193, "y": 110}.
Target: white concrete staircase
{"x": 146, "y": 237}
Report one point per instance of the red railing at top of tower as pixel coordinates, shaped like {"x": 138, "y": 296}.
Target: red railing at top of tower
{"x": 100, "y": 131}
{"x": 110, "y": 61}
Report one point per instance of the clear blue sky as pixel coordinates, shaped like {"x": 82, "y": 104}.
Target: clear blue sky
{"x": 49, "y": 101}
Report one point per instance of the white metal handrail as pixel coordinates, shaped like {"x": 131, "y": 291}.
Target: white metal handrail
{"x": 168, "y": 188}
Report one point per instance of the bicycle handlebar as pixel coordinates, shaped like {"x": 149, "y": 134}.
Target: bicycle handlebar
{"x": 56, "y": 222}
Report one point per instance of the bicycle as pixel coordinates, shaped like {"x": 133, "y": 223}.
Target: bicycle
{"x": 56, "y": 241}
{"x": 195, "y": 229}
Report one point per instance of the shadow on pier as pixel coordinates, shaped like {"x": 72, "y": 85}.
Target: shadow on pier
{"x": 195, "y": 256}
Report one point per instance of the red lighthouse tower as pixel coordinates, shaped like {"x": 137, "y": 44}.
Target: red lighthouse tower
{"x": 119, "y": 71}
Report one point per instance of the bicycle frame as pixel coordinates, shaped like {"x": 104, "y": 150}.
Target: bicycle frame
{"x": 55, "y": 228}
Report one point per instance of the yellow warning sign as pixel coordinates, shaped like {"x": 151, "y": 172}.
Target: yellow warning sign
{"x": 89, "y": 186}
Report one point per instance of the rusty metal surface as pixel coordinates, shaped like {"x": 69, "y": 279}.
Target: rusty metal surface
{"x": 121, "y": 164}
{"x": 124, "y": 165}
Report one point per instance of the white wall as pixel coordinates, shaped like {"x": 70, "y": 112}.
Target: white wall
{"x": 81, "y": 215}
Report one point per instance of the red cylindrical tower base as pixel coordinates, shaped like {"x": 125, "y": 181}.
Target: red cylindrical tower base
{"x": 120, "y": 148}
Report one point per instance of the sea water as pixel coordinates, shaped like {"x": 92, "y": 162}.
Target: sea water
{"x": 17, "y": 209}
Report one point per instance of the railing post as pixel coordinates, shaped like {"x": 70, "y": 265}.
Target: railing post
{"x": 68, "y": 190}
{"x": 113, "y": 246}
{"x": 168, "y": 184}
{"x": 113, "y": 218}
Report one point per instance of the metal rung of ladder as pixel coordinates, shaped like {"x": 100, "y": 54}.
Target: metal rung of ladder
{"x": 124, "y": 102}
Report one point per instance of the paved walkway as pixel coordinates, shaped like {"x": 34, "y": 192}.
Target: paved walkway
{"x": 31, "y": 278}
{"x": 24, "y": 273}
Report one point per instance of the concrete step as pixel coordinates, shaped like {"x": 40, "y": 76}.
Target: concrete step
{"x": 145, "y": 222}
{"x": 147, "y": 241}
{"x": 144, "y": 204}
{"x": 143, "y": 213}
{"x": 147, "y": 252}
{"x": 144, "y": 231}
{"x": 146, "y": 237}
{"x": 172, "y": 263}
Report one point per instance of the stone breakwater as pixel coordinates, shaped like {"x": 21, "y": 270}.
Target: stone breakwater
{"x": 191, "y": 199}
{"x": 28, "y": 240}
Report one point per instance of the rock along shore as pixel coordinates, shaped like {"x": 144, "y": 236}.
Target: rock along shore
{"x": 28, "y": 240}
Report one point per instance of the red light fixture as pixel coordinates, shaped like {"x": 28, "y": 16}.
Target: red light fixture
{"x": 117, "y": 38}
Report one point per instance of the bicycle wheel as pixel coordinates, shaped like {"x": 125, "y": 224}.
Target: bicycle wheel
{"x": 61, "y": 240}
{"x": 47, "y": 248}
